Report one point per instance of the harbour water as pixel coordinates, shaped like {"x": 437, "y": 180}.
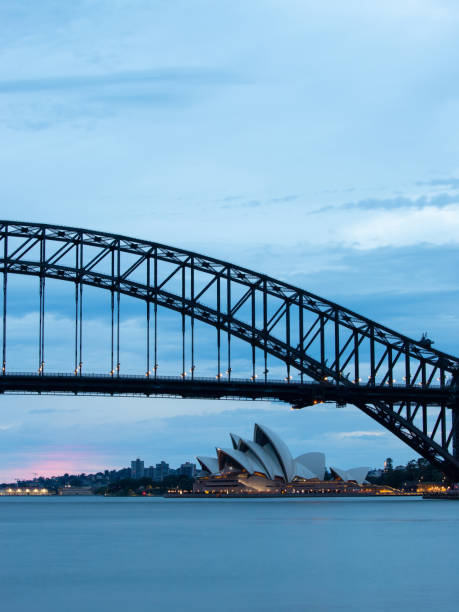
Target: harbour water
{"x": 96, "y": 554}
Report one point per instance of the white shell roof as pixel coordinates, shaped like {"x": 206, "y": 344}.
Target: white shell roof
{"x": 241, "y": 458}
{"x": 314, "y": 462}
{"x": 235, "y": 440}
{"x": 269, "y": 462}
{"x": 279, "y": 447}
{"x": 301, "y": 471}
{"x": 357, "y": 474}
{"x": 210, "y": 464}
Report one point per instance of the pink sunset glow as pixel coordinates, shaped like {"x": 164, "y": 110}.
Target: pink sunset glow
{"x": 55, "y": 462}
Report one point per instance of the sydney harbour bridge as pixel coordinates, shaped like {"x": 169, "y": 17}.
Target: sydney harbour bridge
{"x": 235, "y": 334}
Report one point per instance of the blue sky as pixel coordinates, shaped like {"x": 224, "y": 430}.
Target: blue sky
{"x": 316, "y": 142}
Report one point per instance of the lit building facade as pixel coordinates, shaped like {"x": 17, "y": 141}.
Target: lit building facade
{"x": 21, "y": 491}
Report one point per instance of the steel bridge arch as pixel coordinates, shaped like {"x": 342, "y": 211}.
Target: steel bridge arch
{"x": 421, "y": 364}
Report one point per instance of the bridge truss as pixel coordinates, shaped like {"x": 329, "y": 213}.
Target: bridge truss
{"x": 327, "y": 352}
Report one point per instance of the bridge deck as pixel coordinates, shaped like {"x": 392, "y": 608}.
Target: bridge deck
{"x": 296, "y": 394}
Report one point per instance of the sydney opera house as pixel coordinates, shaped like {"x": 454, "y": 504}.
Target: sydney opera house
{"x": 265, "y": 465}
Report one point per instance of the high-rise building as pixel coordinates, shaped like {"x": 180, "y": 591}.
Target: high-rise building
{"x": 187, "y": 469}
{"x": 161, "y": 471}
{"x": 137, "y": 469}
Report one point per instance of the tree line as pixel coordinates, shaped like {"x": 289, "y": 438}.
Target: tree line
{"x": 415, "y": 471}
{"x": 127, "y": 487}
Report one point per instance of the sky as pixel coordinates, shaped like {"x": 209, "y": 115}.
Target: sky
{"x": 315, "y": 142}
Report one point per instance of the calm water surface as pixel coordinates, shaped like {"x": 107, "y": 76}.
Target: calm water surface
{"x": 75, "y": 554}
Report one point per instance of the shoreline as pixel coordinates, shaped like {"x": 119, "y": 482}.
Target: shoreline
{"x": 282, "y": 496}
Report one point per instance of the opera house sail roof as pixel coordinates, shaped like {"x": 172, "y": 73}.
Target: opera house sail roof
{"x": 267, "y": 456}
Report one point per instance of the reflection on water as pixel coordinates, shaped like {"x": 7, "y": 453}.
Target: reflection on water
{"x": 76, "y": 554}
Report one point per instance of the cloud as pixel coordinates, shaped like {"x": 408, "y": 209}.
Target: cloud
{"x": 178, "y": 76}
{"x": 251, "y": 204}
{"x": 438, "y": 201}
{"x": 410, "y": 226}
{"x": 255, "y": 203}
{"x": 51, "y": 410}
{"x": 48, "y": 101}
{"x": 282, "y": 199}
{"x": 231, "y": 198}
{"x": 452, "y": 183}
{"x": 344, "y": 435}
